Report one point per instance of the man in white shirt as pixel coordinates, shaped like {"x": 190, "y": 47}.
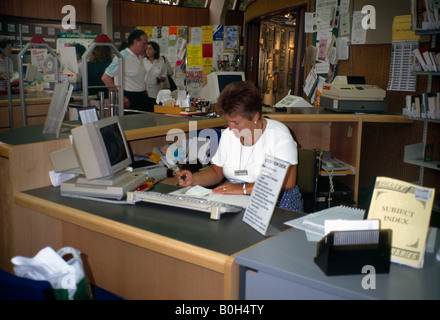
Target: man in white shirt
{"x": 135, "y": 95}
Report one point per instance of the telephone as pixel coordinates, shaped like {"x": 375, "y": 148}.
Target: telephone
{"x": 333, "y": 165}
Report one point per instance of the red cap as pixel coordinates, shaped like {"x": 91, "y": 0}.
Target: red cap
{"x": 37, "y": 39}
{"x": 102, "y": 38}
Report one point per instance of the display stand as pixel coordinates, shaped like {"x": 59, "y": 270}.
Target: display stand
{"x": 20, "y": 72}
{"x": 58, "y": 108}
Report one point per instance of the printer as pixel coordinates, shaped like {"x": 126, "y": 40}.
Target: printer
{"x": 353, "y": 98}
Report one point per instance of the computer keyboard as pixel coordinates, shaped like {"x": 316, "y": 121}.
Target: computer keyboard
{"x": 213, "y": 207}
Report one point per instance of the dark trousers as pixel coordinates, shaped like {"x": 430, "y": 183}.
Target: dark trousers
{"x": 140, "y": 101}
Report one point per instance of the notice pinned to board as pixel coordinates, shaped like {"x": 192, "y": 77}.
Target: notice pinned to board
{"x": 402, "y": 29}
{"x": 265, "y": 194}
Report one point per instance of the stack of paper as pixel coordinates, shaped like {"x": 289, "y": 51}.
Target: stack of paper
{"x": 314, "y": 224}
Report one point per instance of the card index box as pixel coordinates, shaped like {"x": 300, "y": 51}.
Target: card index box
{"x": 347, "y": 252}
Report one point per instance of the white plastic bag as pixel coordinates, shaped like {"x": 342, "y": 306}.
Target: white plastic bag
{"x": 67, "y": 278}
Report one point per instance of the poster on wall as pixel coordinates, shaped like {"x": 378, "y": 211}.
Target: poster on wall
{"x": 231, "y": 38}
{"x": 194, "y": 80}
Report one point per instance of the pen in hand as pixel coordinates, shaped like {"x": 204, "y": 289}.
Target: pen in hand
{"x": 183, "y": 176}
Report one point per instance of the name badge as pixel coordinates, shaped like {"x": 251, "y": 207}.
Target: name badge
{"x": 241, "y": 172}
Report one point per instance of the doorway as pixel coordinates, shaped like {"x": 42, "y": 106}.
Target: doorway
{"x": 278, "y": 53}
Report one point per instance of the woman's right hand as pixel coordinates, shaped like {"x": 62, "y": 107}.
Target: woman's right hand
{"x": 184, "y": 178}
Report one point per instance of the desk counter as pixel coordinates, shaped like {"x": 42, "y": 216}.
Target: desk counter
{"x": 283, "y": 268}
{"x": 156, "y": 252}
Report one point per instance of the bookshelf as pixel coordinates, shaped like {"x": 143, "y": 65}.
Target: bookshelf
{"x": 415, "y": 153}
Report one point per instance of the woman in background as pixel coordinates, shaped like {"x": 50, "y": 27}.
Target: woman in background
{"x": 156, "y": 69}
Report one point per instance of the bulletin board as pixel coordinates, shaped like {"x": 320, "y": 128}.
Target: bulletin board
{"x": 210, "y": 48}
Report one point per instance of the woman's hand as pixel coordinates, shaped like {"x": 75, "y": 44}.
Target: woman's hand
{"x": 184, "y": 177}
{"x": 229, "y": 188}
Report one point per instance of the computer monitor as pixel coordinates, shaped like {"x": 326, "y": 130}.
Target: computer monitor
{"x": 31, "y": 73}
{"x": 101, "y": 148}
{"x": 100, "y": 153}
{"x": 217, "y": 81}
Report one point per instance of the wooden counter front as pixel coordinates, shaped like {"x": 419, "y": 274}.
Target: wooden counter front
{"x": 142, "y": 251}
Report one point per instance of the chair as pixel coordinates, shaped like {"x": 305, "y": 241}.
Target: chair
{"x": 307, "y": 177}
{"x": 13, "y": 287}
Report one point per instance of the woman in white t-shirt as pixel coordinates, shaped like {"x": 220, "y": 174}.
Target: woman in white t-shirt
{"x": 243, "y": 147}
{"x": 156, "y": 69}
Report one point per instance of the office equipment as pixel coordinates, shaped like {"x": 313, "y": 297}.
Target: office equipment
{"x": 363, "y": 92}
{"x": 31, "y": 73}
{"x": 332, "y": 164}
{"x": 215, "y": 208}
{"x": 353, "y": 98}
{"x": 372, "y": 106}
{"x": 113, "y": 187}
{"x": 348, "y": 252}
{"x": 100, "y": 153}
{"x": 217, "y": 81}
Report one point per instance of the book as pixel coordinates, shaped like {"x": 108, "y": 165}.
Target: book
{"x": 405, "y": 208}
{"x": 428, "y": 61}
{"x": 418, "y": 53}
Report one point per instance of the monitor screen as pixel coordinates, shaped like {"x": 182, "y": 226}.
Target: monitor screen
{"x": 227, "y": 78}
{"x": 217, "y": 81}
{"x": 114, "y": 143}
{"x": 101, "y": 148}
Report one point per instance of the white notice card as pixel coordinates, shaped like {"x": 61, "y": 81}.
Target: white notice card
{"x": 265, "y": 194}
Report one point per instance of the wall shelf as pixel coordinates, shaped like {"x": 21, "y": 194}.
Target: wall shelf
{"x": 414, "y": 154}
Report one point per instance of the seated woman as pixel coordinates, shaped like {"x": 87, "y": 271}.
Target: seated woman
{"x": 243, "y": 147}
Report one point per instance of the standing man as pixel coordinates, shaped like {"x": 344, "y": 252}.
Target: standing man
{"x": 135, "y": 96}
